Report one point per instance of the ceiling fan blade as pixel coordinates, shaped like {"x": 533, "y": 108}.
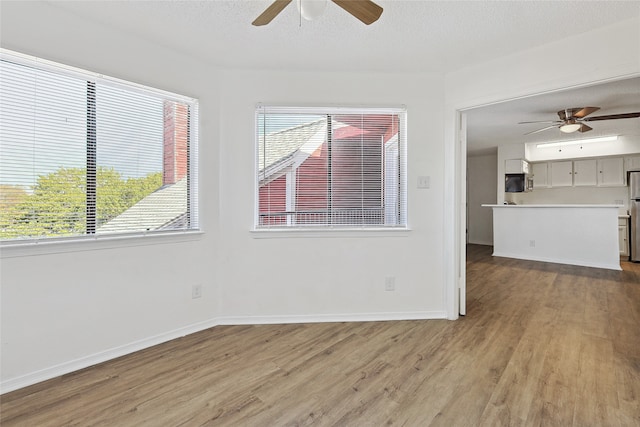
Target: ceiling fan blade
{"x": 576, "y": 112}
{"x": 540, "y": 130}
{"x": 584, "y": 128}
{"x": 541, "y": 121}
{"x": 584, "y": 112}
{"x": 365, "y": 10}
{"x": 271, "y": 12}
{"x": 612, "y": 117}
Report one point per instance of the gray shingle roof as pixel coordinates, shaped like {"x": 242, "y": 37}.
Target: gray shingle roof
{"x": 282, "y": 145}
{"x": 165, "y": 208}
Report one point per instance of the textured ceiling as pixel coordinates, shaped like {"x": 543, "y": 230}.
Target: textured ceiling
{"x": 411, "y": 36}
{"x": 494, "y": 125}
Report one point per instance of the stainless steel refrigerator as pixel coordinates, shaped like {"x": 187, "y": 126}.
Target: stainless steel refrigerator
{"x": 634, "y": 211}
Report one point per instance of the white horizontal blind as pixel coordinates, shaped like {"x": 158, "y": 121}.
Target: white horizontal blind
{"x": 336, "y": 167}
{"x": 81, "y": 154}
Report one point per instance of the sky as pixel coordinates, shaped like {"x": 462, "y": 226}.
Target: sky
{"x": 43, "y": 126}
{"x": 280, "y": 121}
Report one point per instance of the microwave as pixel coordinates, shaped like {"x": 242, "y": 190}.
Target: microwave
{"x": 517, "y": 183}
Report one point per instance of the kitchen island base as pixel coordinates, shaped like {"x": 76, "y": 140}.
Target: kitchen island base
{"x": 585, "y": 235}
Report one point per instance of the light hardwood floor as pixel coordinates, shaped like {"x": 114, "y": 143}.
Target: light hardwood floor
{"x": 541, "y": 345}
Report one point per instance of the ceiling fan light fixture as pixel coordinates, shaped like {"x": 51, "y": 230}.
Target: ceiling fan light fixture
{"x": 570, "y": 127}
{"x": 311, "y": 9}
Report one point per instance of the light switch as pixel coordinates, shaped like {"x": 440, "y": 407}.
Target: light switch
{"x": 424, "y": 181}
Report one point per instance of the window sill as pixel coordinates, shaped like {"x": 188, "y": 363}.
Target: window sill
{"x": 258, "y": 233}
{"x": 11, "y": 249}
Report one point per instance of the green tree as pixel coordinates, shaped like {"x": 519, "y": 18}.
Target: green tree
{"x": 57, "y": 204}
{"x": 12, "y": 198}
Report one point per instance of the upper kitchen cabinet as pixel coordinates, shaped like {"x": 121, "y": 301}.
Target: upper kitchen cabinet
{"x": 561, "y": 174}
{"x": 611, "y": 172}
{"x": 601, "y": 172}
{"x": 632, "y": 163}
{"x": 516, "y": 166}
{"x": 540, "y": 175}
{"x": 585, "y": 173}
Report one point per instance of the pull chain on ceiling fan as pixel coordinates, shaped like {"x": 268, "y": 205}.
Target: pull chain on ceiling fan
{"x": 365, "y": 10}
{"x": 573, "y": 120}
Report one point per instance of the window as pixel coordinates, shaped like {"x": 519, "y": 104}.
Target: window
{"x": 331, "y": 167}
{"x": 82, "y": 154}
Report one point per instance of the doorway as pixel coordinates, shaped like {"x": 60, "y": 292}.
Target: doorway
{"x": 495, "y": 124}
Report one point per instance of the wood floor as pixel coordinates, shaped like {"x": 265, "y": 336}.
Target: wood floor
{"x": 541, "y": 345}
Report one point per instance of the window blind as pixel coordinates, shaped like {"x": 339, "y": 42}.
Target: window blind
{"x": 84, "y": 154}
{"x": 331, "y": 167}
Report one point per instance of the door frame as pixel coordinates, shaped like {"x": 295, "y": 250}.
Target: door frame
{"x": 456, "y": 190}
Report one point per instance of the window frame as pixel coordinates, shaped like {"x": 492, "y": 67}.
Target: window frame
{"x": 80, "y": 242}
{"x": 336, "y": 230}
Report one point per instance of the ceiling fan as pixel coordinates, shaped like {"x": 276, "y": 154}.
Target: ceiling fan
{"x": 365, "y": 10}
{"x": 573, "y": 119}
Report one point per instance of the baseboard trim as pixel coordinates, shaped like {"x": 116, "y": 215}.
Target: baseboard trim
{"x": 315, "y": 318}
{"x": 103, "y": 356}
{"x": 13, "y": 384}
{"x": 481, "y": 242}
{"x": 581, "y": 263}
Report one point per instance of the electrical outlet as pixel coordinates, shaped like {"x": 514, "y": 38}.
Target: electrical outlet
{"x": 424, "y": 182}
{"x": 618, "y": 202}
{"x": 196, "y": 291}
{"x": 532, "y": 243}
{"x": 390, "y": 283}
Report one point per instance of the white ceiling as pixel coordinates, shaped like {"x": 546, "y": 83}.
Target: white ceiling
{"x": 410, "y": 36}
{"x": 491, "y": 126}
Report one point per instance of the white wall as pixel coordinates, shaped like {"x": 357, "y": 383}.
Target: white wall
{"x": 614, "y": 52}
{"x": 624, "y": 145}
{"x": 482, "y": 175}
{"x": 575, "y": 195}
{"x": 312, "y": 277}
{"x": 62, "y": 311}
{"x": 85, "y": 303}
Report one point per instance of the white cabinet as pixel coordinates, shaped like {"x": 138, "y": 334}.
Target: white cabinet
{"x": 516, "y": 166}
{"x": 632, "y": 163}
{"x": 623, "y": 236}
{"x": 602, "y": 172}
{"x": 611, "y": 172}
{"x": 561, "y": 174}
{"x": 585, "y": 173}
{"x": 540, "y": 175}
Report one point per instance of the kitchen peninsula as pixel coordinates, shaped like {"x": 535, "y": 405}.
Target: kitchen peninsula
{"x": 584, "y": 235}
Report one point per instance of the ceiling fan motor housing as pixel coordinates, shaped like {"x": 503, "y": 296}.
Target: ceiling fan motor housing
{"x": 365, "y": 10}
{"x": 311, "y": 9}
